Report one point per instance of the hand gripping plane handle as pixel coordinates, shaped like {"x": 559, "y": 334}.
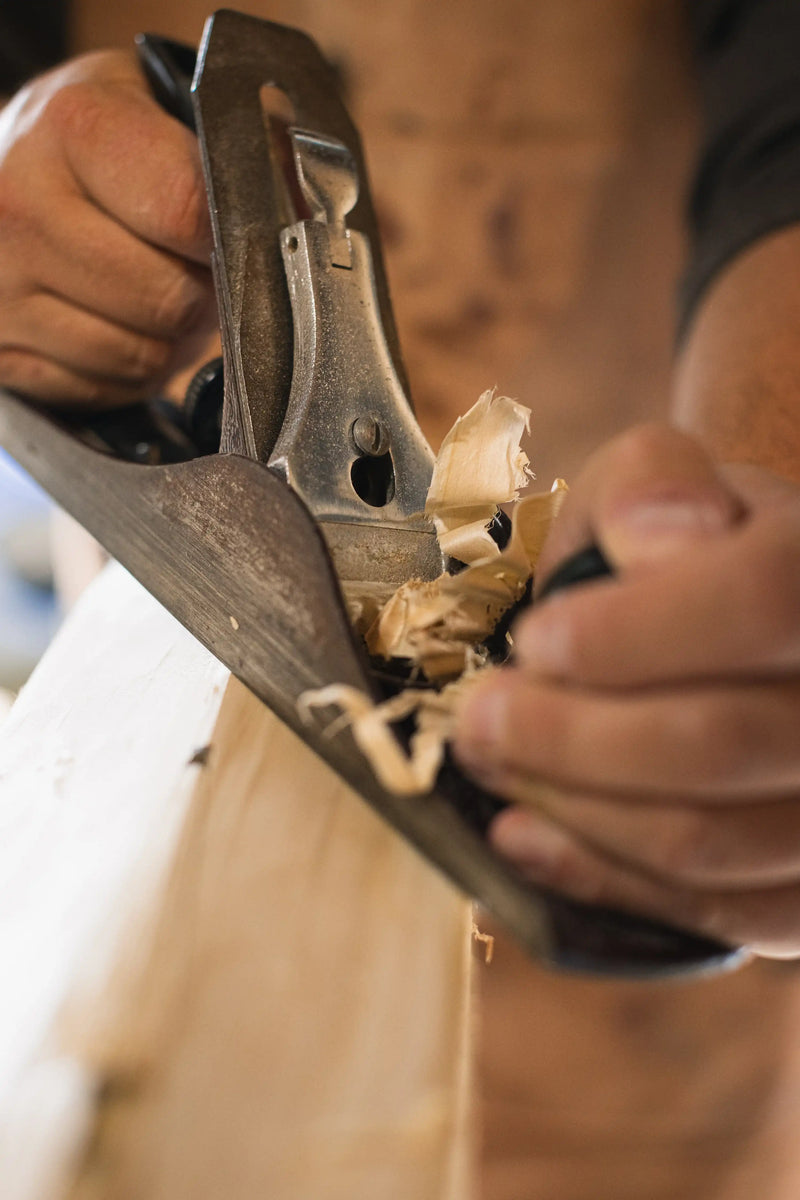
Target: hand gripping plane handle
{"x": 590, "y": 937}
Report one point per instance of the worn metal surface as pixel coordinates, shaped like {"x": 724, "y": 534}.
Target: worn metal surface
{"x": 343, "y": 377}
{"x": 337, "y": 344}
{"x": 251, "y": 202}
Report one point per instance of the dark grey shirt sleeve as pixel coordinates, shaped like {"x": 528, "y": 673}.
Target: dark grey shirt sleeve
{"x": 747, "y": 181}
{"x": 33, "y": 35}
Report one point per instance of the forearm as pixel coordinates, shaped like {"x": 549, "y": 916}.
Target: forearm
{"x": 737, "y": 380}
{"x": 738, "y": 376}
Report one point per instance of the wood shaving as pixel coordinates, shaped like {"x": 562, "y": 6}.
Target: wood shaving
{"x": 488, "y": 943}
{"x": 439, "y": 626}
{"x": 405, "y": 774}
{"x": 364, "y": 600}
{"x": 479, "y": 465}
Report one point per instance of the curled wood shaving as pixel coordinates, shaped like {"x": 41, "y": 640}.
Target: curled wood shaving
{"x": 405, "y": 774}
{"x": 440, "y": 625}
{"x": 364, "y": 600}
{"x": 480, "y": 464}
{"x": 488, "y": 943}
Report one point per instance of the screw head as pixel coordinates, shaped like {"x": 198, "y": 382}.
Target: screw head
{"x": 369, "y": 436}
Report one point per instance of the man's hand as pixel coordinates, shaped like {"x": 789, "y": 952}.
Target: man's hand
{"x": 105, "y": 287}
{"x": 650, "y": 727}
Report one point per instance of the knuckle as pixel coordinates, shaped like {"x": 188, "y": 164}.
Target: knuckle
{"x": 74, "y": 110}
{"x": 646, "y": 444}
{"x": 643, "y": 440}
{"x": 15, "y": 207}
{"x": 149, "y": 359}
{"x": 180, "y": 219}
{"x": 179, "y": 304}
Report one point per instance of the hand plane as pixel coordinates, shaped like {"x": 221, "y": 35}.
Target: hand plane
{"x": 301, "y": 466}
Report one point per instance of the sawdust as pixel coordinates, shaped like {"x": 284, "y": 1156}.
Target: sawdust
{"x": 438, "y": 629}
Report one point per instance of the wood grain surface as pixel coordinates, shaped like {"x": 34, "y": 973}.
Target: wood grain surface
{"x": 232, "y": 979}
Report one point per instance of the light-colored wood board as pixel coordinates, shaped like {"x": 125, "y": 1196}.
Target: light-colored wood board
{"x": 94, "y": 786}
{"x": 310, "y": 980}
{"x": 231, "y": 979}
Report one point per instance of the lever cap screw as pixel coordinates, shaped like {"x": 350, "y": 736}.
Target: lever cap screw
{"x": 369, "y": 436}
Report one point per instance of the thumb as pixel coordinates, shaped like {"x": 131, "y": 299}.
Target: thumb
{"x": 642, "y": 498}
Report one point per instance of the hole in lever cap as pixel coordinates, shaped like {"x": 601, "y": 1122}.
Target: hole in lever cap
{"x": 372, "y": 477}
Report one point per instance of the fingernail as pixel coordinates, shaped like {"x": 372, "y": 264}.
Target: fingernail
{"x": 660, "y": 528}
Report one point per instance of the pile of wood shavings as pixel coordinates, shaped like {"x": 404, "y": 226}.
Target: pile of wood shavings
{"x": 440, "y": 626}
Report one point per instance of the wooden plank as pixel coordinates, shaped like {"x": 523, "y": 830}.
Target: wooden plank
{"x": 235, "y": 979}
{"x": 94, "y": 789}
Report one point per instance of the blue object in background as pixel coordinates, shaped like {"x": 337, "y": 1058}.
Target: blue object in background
{"x": 29, "y": 612}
